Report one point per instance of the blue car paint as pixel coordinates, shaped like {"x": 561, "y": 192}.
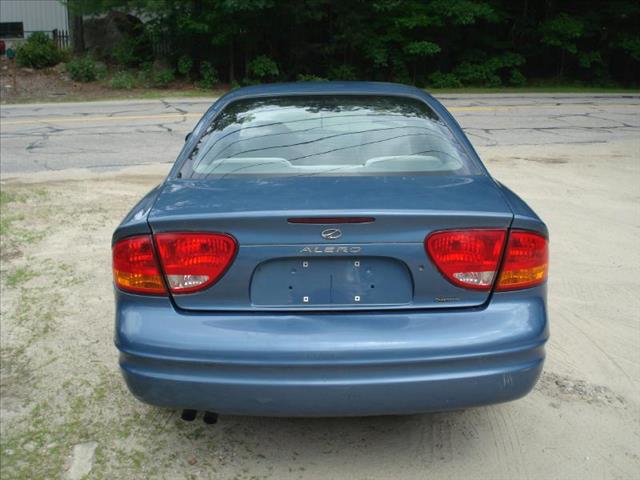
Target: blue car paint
{"x": 397, "y": 360}
{"x": 318, "y": 364}
{"x": 255, "y": 212}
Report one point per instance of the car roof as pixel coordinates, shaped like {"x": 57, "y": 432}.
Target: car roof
{"x": 325, "y": 88}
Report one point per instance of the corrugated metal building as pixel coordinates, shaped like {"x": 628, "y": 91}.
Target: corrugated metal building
{"x": 20, "y": 18}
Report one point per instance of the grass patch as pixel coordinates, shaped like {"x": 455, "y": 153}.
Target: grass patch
{"x": 40, "y": 447}
{"x": 6, "y": 221}
{"x": 34, "y": 316}
{"x": 7, "y": 197}
{"x": 87, "y": 400}
{"x": 133, "y": 94}
{"x": 47, "y": 267}
{"x": 14, "y": 206}
{"x": 534, "y": 89}
{"x": 16, "y": 235}
{"x": 33, "y": 319}
{"x": 20, "y": 275}
{"x": 37, "y": 447}
{"x": 20, "y": 195}
{"x": 34, "y": 452}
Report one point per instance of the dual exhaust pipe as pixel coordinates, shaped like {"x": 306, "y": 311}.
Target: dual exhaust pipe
{"x": 189, "y": 415}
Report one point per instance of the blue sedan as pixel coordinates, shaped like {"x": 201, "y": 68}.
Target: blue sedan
{"x": 329, "y": 249}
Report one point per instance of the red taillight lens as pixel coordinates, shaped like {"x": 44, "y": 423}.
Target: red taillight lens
{"x": 194, "y": 261}
{"x": 135, "y": 268}
{"x": 467, "y": 258}
{"x": 526, "y": 261}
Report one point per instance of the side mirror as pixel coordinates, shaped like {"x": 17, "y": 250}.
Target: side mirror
{"x": 186, "y": 139}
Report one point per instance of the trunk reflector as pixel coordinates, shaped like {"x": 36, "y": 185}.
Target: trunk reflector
{"x": 467, "y": 258}
{"x": 194, "y": 261}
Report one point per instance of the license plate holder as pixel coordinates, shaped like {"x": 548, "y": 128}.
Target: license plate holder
{"x": 344, "y": 281}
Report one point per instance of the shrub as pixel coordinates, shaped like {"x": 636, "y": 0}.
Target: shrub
{"x": 422, "y": 49}
{"x": 303, "y": 77}
{"x": 185, "y": 64}
{"x": 82, "y": 69}
{"x": 444, "y": 80}
{"x": 488, "y": 72}
{"x": 157, "y": 77}
{"x": 65, "y": 54}
{"x": 38, "y": 51}
{"x": 162, "y": 78}
{"x": 247, "y": 82}
{"x": 477, "y": 74}
{"x": 343, "y": 72}
{"x": 263, "y": 68}
{"x": 209, "y": 76}
{"x": 131, "y": 51}
{"x": 144, "y": 77}
{"x": 123, "y": 81}
{"x": 517, "y": 79}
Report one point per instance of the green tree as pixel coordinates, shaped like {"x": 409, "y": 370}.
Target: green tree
{"x": 443, "y": 42}
{"x": 562, "y": 32}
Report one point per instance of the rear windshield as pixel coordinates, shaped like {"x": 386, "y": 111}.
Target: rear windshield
{"x": 327, "y": 135}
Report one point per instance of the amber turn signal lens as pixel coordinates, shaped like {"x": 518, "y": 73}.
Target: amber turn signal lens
{"x": 135, "y": 268}
{"x": 526, "y": 261}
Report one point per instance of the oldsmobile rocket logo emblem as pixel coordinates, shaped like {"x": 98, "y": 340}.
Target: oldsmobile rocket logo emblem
{"x": 331, "y": 234}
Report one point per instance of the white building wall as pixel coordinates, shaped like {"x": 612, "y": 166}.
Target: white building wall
{"x": 36, "y": 15}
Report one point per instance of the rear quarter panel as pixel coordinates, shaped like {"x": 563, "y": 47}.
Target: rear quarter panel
{"x": 135, "y": 222}
{"x": 523, "y": 215}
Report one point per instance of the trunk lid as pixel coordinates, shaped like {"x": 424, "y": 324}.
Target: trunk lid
{"x": 281, "y": 265}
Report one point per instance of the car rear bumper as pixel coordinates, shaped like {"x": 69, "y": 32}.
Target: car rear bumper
{"x": 338, "y": 364}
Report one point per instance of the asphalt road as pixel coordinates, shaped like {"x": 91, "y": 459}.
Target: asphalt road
{"x": 101, "y": 135}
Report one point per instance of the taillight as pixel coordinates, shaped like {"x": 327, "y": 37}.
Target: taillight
{"x": 190, "y": 262}
{"x": 525, "y": 262}
{"x": 135, "y": 268}
{"x": 470, "y": 258}
{"x": 467, "y": 258}
{"x": 194, "y": 261}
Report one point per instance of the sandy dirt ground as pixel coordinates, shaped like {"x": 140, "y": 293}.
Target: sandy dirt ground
{"x": 65, "y": 411}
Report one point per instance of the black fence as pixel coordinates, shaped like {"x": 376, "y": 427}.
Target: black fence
{"x": 161, "y": 45}
{"x": 61, "y": 38}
